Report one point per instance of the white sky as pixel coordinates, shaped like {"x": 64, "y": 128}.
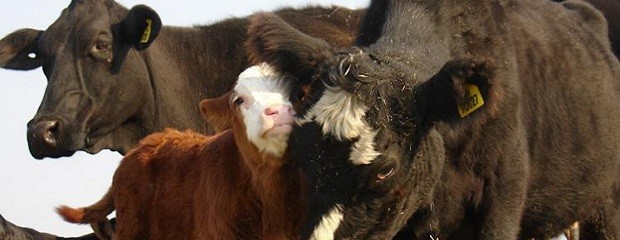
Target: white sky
{"x": 31, "y": 189}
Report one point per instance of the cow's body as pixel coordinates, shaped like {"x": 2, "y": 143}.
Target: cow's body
{"x": 426, "y": 158}
{"x": 237, "y": 184}
{"x": 103, "y": 93}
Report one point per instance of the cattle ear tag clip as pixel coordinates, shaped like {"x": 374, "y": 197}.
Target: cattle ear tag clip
{"x": 146, "y": 35}
{"x": 471, "y": 101}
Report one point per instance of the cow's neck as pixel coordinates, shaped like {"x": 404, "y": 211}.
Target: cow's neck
{"x": 188, "y": 65}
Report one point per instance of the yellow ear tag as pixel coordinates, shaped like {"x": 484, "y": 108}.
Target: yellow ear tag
{"x": 146, "y": 35}
{"x": 472, "y": 100}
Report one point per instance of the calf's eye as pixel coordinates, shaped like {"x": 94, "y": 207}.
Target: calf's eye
{"x": 238, "y": 101}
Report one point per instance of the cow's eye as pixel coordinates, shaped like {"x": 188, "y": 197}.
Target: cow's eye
{"x": 238, "y": 101}
{"x": 385, "y": 175}
{"x": 102, "y": 51}
{"x": 102, "y": 46}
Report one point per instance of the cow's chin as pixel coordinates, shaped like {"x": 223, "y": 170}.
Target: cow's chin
{"x": 94, "y": 149}
{"x": 37, "y": 154}
{"x": 278, "y": 131}
{"x": 273, "y": 140}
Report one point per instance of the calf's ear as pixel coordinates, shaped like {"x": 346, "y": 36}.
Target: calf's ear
{"x": 141, "y": 26}
{"x": 217, "y": 112}
{"x": 19, "y": 50}
{"x": 272, "y": 40}
{"x": 464, "y": 90}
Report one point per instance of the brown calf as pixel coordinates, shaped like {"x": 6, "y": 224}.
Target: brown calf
{"x": 237, "y": 184}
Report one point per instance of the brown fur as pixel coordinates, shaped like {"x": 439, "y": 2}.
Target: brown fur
{"x": 184, "y": 185}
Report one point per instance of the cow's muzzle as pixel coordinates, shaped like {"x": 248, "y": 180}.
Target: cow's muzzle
{"x": 45, "y": 139}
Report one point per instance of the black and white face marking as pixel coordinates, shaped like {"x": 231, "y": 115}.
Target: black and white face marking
{"x": 342, "y": 116}
{"x": 335, "y": 146}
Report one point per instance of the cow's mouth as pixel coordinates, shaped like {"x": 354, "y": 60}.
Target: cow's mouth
{"x": 278, "y": 130}
{"x": 91, "y": 145}
{"x": 112, "y": 138}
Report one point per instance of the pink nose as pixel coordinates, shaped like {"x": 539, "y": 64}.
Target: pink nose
{"x": 279, "y": 112}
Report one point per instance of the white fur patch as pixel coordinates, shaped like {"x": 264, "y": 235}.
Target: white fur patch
{"x": 339, "y": 114}
{"x": 342, "y": 116}
{"x": 328, "y": 225}
{"x": 261, "y": 87}
{"x": 363, "y": 151}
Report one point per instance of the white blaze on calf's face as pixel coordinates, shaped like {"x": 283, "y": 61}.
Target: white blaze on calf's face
{"x": 262, "y": 96}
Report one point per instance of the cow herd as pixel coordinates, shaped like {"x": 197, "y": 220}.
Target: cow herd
{"x": 411, "y": 119}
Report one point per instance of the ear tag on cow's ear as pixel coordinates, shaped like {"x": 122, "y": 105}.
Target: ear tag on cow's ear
{"x": 146, "y": 35}
{"x": 471, "y": 101}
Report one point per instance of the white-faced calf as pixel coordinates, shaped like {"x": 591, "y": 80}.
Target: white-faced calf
{"x": 237, "y": 184}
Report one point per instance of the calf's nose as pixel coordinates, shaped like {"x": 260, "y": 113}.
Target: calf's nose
{"x": 279, "y": 110}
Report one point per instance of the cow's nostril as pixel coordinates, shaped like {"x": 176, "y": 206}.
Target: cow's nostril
{"x": 49, "y": 132}
{"x": 271, "y": 111}
{"x": 43, "y": 132}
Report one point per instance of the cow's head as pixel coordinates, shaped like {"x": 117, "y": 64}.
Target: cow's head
{"x": 367, "y": 137}
{"x": 257, "y": 109}
{"x": 97, "y": 80}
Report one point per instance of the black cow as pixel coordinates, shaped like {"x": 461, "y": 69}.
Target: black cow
{"x": 455, "y": 119}
{"x": 116, "y": 75}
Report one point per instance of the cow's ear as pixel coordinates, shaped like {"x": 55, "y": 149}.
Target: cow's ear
{"x": 464, "y": 90}
{"x": 217, "y": 112}
{"x": 272, "y": 40}
{"x": 19, "y": 50}
{"x": 141, "y": 26}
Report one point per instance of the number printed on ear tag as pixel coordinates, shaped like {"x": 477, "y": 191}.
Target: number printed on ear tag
{"x": 472, "y": 100}
{"x": 146, "y": 35}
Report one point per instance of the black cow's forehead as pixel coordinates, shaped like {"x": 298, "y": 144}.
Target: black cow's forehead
{"x": 79, "y": 23}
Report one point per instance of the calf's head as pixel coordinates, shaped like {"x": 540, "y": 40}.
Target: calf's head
{"x": 97, "y": 80}
{"x": 366, "y": 135}
{"x": 257, "y": 110}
